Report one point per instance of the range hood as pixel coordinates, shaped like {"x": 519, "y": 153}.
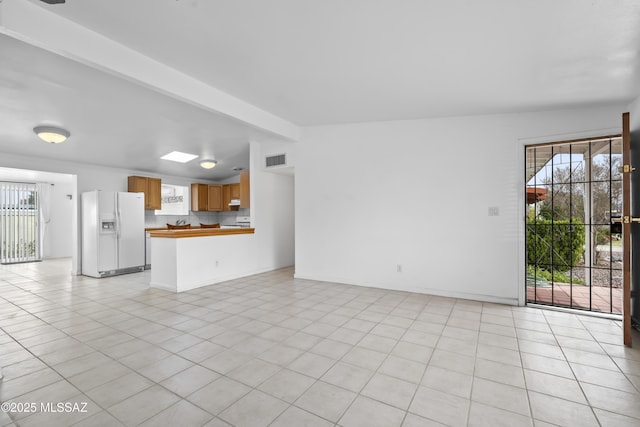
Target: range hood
{"x": 234, "y": 202}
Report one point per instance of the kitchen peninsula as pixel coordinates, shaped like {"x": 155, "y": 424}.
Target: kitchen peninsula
{"x": 192, "y": 258}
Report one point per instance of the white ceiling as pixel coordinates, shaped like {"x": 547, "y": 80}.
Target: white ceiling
{"x": 307, "y": 62}
{"x": 112, "y": 122}
{"x": 333, "y": 61}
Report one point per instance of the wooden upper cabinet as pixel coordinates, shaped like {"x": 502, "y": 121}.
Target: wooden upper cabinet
{"x": 235, "y": 191}
{"x": 199, "y": 197}
{"x": 154, "y": 189}
{"x": 245, "y": 190}
{"x": 215, "y": 197}
{"x": 226, "y": 197}
{"x": 151, "y": 187}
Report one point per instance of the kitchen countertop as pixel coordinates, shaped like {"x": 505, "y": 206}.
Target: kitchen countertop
{"x": 198, "y": 232}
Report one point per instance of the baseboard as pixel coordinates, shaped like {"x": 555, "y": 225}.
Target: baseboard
{"x": 413, "y": 289}
{"x": 218, "y": 279}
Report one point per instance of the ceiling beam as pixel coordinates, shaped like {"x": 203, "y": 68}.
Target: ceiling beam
{"x": 40, "y": 27}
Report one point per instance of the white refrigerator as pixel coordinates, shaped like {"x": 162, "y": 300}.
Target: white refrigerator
{"x": 112, "y": 233}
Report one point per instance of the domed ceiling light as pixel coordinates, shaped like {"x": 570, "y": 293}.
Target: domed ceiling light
{"x": 51, "y": 134}
{"x": 208, "y": 164}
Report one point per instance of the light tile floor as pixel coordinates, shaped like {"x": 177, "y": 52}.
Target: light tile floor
{"x": 270, "y": 350}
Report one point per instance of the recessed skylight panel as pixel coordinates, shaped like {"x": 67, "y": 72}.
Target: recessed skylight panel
{"x": 180, "y": 157}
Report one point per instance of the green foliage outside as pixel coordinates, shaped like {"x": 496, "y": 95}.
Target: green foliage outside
{"x": 603, "y": 234}
{"x": 540, "y": 274}
{"x": 558, "y": 244}
{"x": 552, "y": 250}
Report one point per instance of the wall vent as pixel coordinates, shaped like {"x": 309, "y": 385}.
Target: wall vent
{"x": 276, "y": 160}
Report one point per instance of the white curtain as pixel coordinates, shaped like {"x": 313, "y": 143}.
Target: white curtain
{"x": 43, "y": 190}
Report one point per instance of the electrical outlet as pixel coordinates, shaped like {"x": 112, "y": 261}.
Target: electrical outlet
{"x": 494, "y": 211}
{"x": 217, "y": 263}
{"x": 399, "y": 268}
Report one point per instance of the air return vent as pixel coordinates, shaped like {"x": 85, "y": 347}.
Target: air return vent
{"x": 276, "y": 160}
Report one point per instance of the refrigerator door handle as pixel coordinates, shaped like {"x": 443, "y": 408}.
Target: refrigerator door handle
{"x": 117, "y": 216}
{"x": 118, "y": 223}
{"x": 117, "y": 206}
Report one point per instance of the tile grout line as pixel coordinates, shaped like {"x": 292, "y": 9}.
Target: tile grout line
{"x": 231, "y": 291}
{"x": 572, "y": 371}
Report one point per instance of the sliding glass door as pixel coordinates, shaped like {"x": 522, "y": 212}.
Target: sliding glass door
{"x": 19, "y": 223}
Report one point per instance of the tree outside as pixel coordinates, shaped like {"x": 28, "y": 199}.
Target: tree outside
{"x": 556, "y": 225}
{"x": 567, "y": 185}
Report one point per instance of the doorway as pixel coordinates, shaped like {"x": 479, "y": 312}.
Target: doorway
{"x": 574, "y": 247}
{"x": 37, "y": 215}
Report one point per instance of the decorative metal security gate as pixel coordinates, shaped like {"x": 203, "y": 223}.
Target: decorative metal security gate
{"x": 573, "y": 234}
{"x": 19, "y": 224}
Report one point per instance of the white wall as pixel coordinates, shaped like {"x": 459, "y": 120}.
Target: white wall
{"x": 371, "y": 196}
{"x": 272, "y": 212}
{"x": 634, "y": 115}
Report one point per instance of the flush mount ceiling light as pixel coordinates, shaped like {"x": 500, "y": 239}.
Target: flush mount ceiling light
{"x": 177, "y": 156}
{"x": 208, "y": 164}
{"x": 51, "y": 134}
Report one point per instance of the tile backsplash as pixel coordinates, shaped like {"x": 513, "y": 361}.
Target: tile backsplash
{"x": 194, "y": 218}
{"x": 229, "y": 217}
